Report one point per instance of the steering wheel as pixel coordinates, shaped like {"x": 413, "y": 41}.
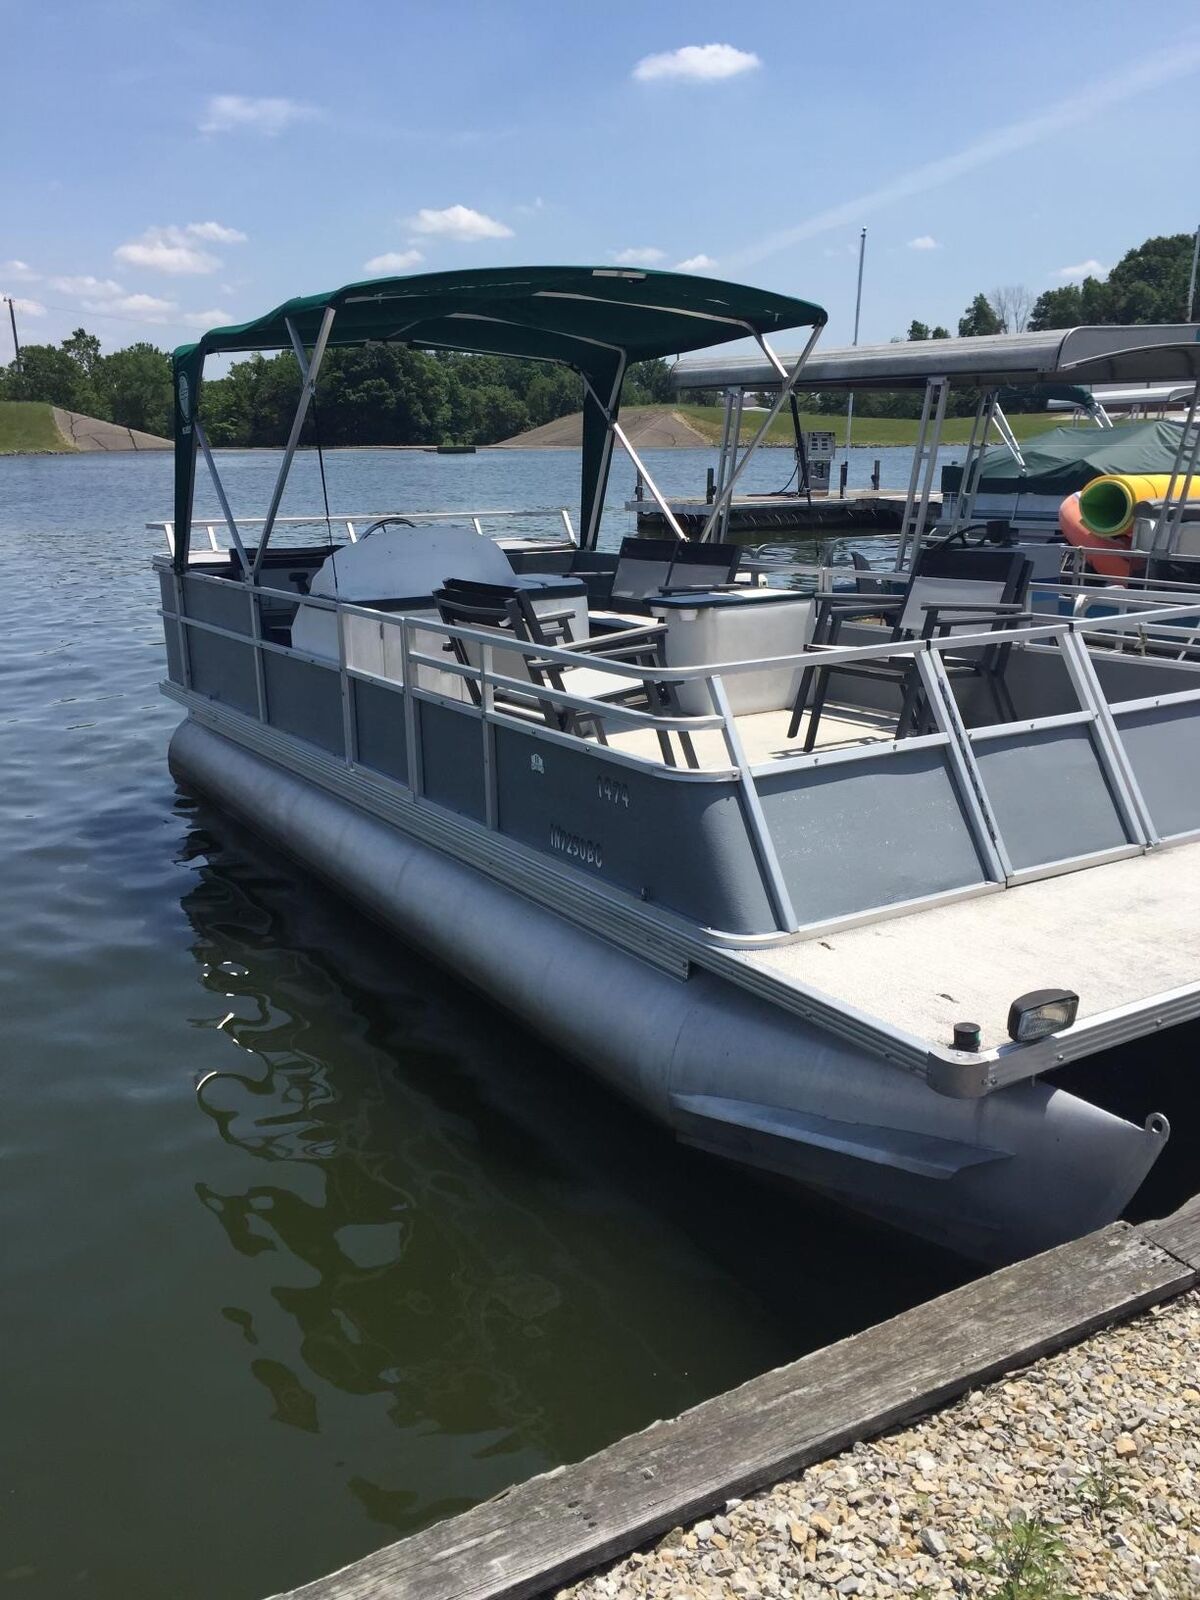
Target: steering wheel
{"x": 959, "y": 536}
{"x": 383, "y": 522}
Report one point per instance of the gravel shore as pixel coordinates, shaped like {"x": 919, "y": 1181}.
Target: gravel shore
{"x": 1080, "y": 1476}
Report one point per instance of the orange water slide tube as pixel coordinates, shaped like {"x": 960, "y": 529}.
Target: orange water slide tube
{"x": 1104, "y": 554}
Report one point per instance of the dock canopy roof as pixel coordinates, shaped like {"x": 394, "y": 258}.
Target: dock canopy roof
{"x": 1118, "y": 354}
{"x": 594, "y": 319}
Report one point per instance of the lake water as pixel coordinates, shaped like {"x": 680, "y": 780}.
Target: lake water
{"x": 410, "y": 1255}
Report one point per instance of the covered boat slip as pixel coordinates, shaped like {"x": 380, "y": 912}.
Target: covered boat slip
{"x": 1050, "y": 360}
{"x": 713, "y": 839}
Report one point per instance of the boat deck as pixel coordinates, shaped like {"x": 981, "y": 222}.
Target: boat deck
{"x": 764, "y": 735}
{"x": 1117, "y": 934}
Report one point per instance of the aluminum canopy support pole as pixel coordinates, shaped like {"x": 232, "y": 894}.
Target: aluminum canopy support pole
{"x": 615, "y": 431}
{"x": 589, "y": 536}
{"x": 1006, "y": 433}
{"x": 789, "y": 381}
{"x": 972, "y": 467}
{"x": 1165, "y": 539}
{"x": 202, "y": 440}
{"x": 309, "y": 371}
{"x": 929, "y": 438}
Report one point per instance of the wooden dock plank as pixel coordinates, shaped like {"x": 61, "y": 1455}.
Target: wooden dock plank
{"x": 552, "y": 1528}
{"x": 1179, "y": 1233}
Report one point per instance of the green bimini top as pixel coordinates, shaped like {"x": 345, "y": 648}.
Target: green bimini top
{"x": 1062, "y": 460}
{"x": 594, "y": 319}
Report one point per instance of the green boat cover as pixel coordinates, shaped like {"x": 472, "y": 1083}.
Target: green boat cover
{"x": 594, "y": 319}
{"x": 1062, "y": 460}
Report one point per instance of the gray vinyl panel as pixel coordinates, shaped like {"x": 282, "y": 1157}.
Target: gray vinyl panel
{"x": 1163, "y": 744}
{"x": 1127, "y": 676}
{"x": 304, "y": 699}
{"x": 379, "y": 728}
{"x": 226, "y": 605}
{"x": 680, "y": 845}
{"x": 869, "y": 833}
{"x": 452, "y": 758}
{"x": 223, "y": 669}
{"x": 174, "y": 654}
{"x": 1049, "y": 795}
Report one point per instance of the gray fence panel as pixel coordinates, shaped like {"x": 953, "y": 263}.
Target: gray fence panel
{"x": 851, "y": 837}
{"x": 379, "y": 728}
{"x": 304, "y": 699}
{"x": 1163, "y": 745}
{"x": 1049, "y": 795}
{"x": 451, "y": 758}
{"x": 223, "y": 669}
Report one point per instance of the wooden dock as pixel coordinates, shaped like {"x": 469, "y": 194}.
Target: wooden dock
{"x": 861, "y": 510}
{"x": 553, "y": 1528}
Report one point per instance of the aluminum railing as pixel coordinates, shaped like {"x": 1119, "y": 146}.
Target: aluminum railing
{"x": 526, "y": 695}
{"x": 355, "y": 522}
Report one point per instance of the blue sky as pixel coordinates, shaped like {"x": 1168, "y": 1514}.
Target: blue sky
{"x": 169, "y": 167}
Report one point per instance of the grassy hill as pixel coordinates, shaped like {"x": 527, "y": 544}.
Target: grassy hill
{"x": 27, "y": 427}
{"x": 880, "y": 431}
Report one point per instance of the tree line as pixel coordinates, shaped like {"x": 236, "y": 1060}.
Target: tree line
{"x": 1150, "y": 283}
{"x": 386, "y": 394}
{"x": 371, "y": 394}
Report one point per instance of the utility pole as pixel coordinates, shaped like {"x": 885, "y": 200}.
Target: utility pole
{"x": 1192, "y": 284}
{"x": 16, "y": 348}
{"x": 862, "y": 250}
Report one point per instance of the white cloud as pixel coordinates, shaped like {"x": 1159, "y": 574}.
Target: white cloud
{"x": 174, "y": 250}
{"x": 924, "y": 241}
{"x": 215, "y": 318}
{"x": 215, "y": 232}
{"x": 697, "y": 63}
{"x": 393, "y": 261}
{"x": 28, "y": 308}
{"x": 1084, "y": 269}
{"x": 18, "y": 272}
{"x": 458, "y": 222}
{"x": 1041, "y": 127}
{"x": 700, "y": 263}
{"x": 139, "y": 307}
{"x": 86, "y": 285}
{"x": 646, "y": 255}
{"x": 266, "y": 114}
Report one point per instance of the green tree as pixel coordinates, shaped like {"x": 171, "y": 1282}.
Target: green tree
{"x": 940, "y": 333}
{"x": 84, "y": 349}
{"x": 134, "y": 388}
{"x": 1150, "y": 282}
{"x": 917, "y": 330}
{"x": 978, "y": 319}
{"x": 47, "y": 373}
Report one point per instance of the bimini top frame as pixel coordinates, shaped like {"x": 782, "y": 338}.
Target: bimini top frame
{"x": 595, "y": 320}
{"x": 1052, "y": 357}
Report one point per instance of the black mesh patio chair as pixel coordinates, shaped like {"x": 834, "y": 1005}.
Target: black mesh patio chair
{"x": 643, "y": 566}
{"x": 514, "y": 610}
{"x": 701, "y": 567}
{"x": 951, "y": 589}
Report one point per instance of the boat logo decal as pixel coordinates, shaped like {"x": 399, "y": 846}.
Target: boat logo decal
{"x": 536, "y": 764}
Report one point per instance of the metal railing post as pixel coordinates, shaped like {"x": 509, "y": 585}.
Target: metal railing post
{"x": 412, "y": 744}
{"x": 760, "y": 833}
{"x": 486, "y": 702}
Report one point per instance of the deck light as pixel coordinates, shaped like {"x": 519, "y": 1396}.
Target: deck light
{"x": 1040, "y": 1012}
{"x": 967, "y": 1035}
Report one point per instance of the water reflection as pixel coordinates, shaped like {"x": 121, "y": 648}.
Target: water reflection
{"x": 455, "y": 1201}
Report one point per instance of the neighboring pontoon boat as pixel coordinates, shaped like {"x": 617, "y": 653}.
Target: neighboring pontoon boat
{"x": 858, "y": 966}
